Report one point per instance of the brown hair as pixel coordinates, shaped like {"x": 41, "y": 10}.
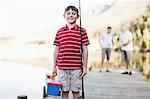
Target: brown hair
{"x": 72, "y": 8}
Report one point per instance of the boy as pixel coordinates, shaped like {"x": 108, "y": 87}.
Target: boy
{"x": 67, "y": 54}
{"x": 106, "y": 43}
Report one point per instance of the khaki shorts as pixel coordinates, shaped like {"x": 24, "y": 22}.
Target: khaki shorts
{"x": 70, "y": 80}
{"x": 107, "y": 52}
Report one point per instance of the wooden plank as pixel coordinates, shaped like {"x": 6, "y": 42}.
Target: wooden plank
{"x": 114, "y": 86}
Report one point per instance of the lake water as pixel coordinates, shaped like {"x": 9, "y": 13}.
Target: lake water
{"x": 19, "y": 79}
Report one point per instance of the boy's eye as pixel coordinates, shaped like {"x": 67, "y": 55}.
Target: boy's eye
{"x": 73, "y": 13}
{"x": 68, "y": 13}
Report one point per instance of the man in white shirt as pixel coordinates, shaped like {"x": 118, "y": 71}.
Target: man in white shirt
{"x": 126, "y": 48}
{"x": 106, "y": 43}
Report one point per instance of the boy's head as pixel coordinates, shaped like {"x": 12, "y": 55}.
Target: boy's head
{"x": 71, "y": 14}
{"x": 109, "y": 29}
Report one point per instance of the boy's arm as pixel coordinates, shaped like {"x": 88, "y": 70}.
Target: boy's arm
{"x": 85, "y": 59}
{"x": 56, "y": 51}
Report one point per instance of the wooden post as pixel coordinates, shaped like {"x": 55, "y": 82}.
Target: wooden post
{"x": 44, "y": 92}
{"x": 22, "y": 97}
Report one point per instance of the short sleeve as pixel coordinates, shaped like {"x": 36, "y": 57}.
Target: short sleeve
{"x": 56, "y": 41}
{"x": 85, "y": 40}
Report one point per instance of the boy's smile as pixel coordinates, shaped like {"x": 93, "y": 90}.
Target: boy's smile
{"x": 71, "y": 16}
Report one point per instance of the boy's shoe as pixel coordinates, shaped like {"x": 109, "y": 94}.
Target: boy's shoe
{"x": 108, "y": 70}
{"x": 130, "y": 73}
{"x": 125, "y": 72}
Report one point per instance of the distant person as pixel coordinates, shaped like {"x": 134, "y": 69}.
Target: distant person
{"x": 106, "y": 43}
{"x": 67, "y": 54}
{"x": 126, "y": 48}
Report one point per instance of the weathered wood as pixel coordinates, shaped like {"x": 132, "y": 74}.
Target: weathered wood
{"x": 114, "y": 86}
{"x": 44, "y": 92}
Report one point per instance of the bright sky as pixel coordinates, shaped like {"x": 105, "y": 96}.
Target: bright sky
{"x": 28, "y": 16}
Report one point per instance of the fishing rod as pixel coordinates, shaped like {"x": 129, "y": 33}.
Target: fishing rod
{"x": 82, "y": 95}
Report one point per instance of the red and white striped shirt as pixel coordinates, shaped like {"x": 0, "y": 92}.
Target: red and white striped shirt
{"x": 69, "y": 42}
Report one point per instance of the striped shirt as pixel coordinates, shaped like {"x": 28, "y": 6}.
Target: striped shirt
{"x": 69, "y": 42}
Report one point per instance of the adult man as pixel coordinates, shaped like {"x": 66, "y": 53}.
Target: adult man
{"x": 106, "y": 43}
{"x": 126, "y": 48}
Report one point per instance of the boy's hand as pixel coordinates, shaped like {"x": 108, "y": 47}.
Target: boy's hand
{"x": 83, "y": 73}
{"x": 54, "y": 72}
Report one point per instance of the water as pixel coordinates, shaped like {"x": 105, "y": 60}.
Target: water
{"x": 19, "y": 79}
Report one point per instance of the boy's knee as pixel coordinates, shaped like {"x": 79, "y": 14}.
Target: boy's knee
{"x": 76, "y": 93}
{"x": 65, "y": 92}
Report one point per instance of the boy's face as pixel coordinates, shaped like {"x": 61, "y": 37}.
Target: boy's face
{"x": 71, "y": 16}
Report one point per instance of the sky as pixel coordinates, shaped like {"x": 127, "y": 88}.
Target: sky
{"x": 19, "y": 17}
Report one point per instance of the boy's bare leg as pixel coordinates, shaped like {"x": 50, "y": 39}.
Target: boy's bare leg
{"x": 65, "y": 95}
{"x": 76, "y": 95}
